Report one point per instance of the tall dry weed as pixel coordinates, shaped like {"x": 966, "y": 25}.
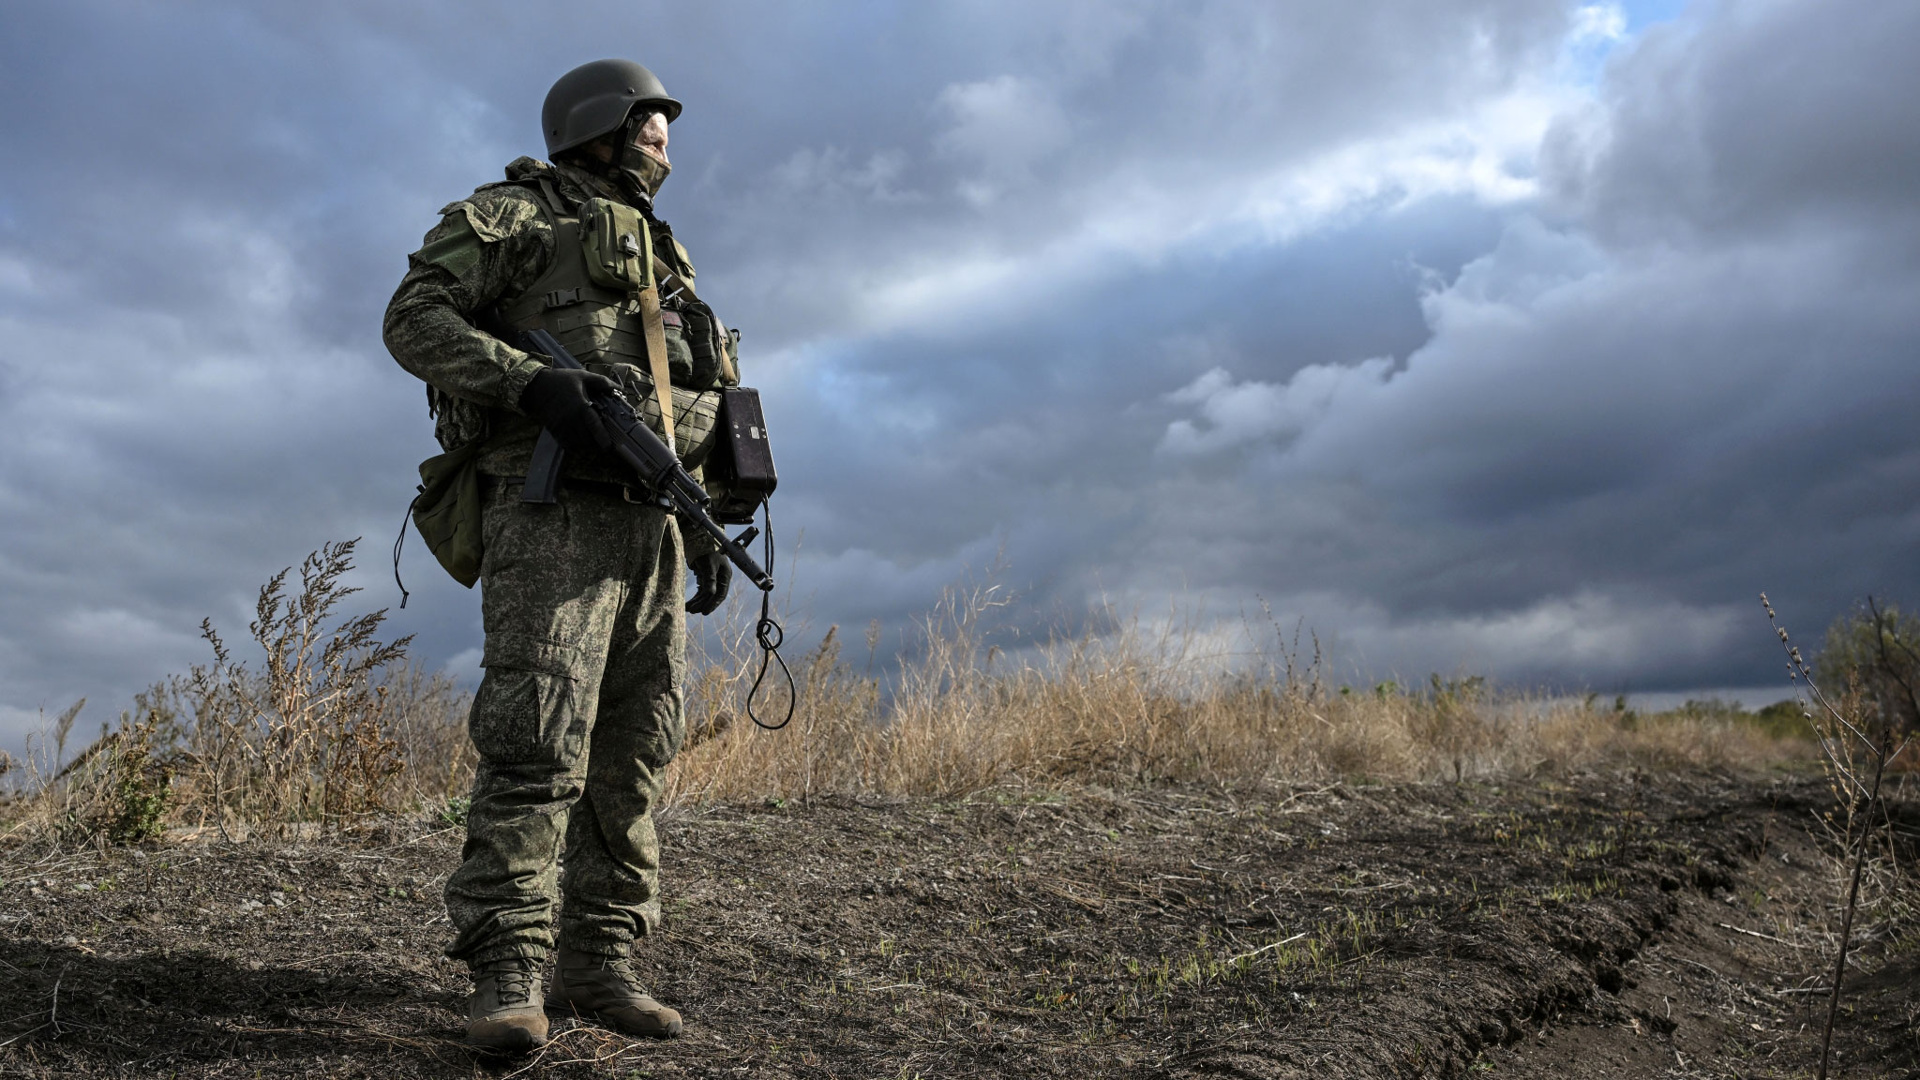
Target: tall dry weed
{"x": 1861, "y": 728}
{"x": 303, "y": 737}
{"x": 328, "y": 726}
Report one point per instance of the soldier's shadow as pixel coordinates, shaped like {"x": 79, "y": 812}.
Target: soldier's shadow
{"x": 71, "y": 1009}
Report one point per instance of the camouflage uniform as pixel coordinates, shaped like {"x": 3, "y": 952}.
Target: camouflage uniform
{"x": 581, "y": 707}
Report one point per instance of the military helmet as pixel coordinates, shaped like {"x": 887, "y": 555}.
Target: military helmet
{"x": 594, "y": 98}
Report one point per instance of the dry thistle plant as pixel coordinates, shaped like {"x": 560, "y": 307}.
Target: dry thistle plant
{"x": 1857, "y": 741}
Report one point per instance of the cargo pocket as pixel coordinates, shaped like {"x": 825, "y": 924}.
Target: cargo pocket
{"x": 527, "y": 710}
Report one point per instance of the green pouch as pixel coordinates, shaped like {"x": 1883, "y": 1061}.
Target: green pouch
{"x": 618, "y": 245}
{"x": 447, "y": 510}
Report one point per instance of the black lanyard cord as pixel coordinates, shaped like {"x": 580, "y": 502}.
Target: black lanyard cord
{"x": 769, "y": 634}
{"x": 398, "y": 543}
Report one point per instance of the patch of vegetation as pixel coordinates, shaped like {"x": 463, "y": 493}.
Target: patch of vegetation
{"x": 329, "y": 727}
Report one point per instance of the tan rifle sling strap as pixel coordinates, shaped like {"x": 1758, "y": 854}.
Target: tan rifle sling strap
{"x": 656, "y": 334}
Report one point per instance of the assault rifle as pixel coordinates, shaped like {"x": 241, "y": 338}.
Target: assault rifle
{"x": 647, "y": 454}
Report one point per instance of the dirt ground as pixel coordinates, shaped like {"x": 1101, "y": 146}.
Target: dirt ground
{"x": 1602, "y": 926}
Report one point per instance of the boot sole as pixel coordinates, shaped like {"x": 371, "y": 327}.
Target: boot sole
{"x": 507, "y": 1049}
{"x": 565, "y": 1008}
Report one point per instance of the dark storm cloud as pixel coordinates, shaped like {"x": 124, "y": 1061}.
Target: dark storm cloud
{"x": 1768, "y": 117}
{"x": 978, "y": 250}
{"x": 1695, "y": 384}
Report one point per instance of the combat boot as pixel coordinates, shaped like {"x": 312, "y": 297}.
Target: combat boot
{"x": 605, "y": 987}
{"x": 505, "y": 1012}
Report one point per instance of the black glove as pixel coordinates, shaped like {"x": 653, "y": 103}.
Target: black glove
{"x": 713, "y": 572}
{"x": 561, "y": 399}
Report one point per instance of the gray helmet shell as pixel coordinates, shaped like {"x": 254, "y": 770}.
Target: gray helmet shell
{"x": 594, "y": 98}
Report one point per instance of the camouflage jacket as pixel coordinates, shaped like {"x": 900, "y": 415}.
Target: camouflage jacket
{"x": 488, "y": 248}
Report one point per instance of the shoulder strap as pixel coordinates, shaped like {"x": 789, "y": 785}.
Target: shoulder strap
{"x": 656, "y": 334}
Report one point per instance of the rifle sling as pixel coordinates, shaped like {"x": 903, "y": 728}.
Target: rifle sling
{"x": 656, "y": 335}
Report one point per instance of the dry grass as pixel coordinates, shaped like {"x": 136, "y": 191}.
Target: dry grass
{"x": 328, "y": 728}
{"x": 334, "y": 726}
{"x": 1138, "y": 706}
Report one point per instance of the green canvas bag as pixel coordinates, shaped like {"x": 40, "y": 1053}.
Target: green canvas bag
{"x": 447, "y": 510}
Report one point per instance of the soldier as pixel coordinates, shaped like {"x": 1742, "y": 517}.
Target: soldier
{"x": 581, "y": 707}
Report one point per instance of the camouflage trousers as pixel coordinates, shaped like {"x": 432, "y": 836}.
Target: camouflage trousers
{"x": 579, "y": 713}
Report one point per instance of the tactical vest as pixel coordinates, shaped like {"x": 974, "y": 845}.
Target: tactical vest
{"x": 604, "y": 253}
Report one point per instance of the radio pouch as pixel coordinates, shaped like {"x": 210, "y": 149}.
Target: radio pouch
{"x": 740, "y": 468}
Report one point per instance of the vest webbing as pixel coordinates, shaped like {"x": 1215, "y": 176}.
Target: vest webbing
{"x": 565, "y": 283}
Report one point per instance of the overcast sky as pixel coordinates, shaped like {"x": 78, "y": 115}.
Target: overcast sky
{"x": 1485, "y": 336}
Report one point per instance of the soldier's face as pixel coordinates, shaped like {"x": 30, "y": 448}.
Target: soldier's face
{"x": 652, "y": 136}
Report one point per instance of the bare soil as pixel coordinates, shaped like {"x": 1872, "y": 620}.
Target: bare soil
{"x": 1611, "y": 926}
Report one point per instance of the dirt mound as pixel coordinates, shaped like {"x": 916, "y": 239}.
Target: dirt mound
{"x": 1600, "y": 927}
